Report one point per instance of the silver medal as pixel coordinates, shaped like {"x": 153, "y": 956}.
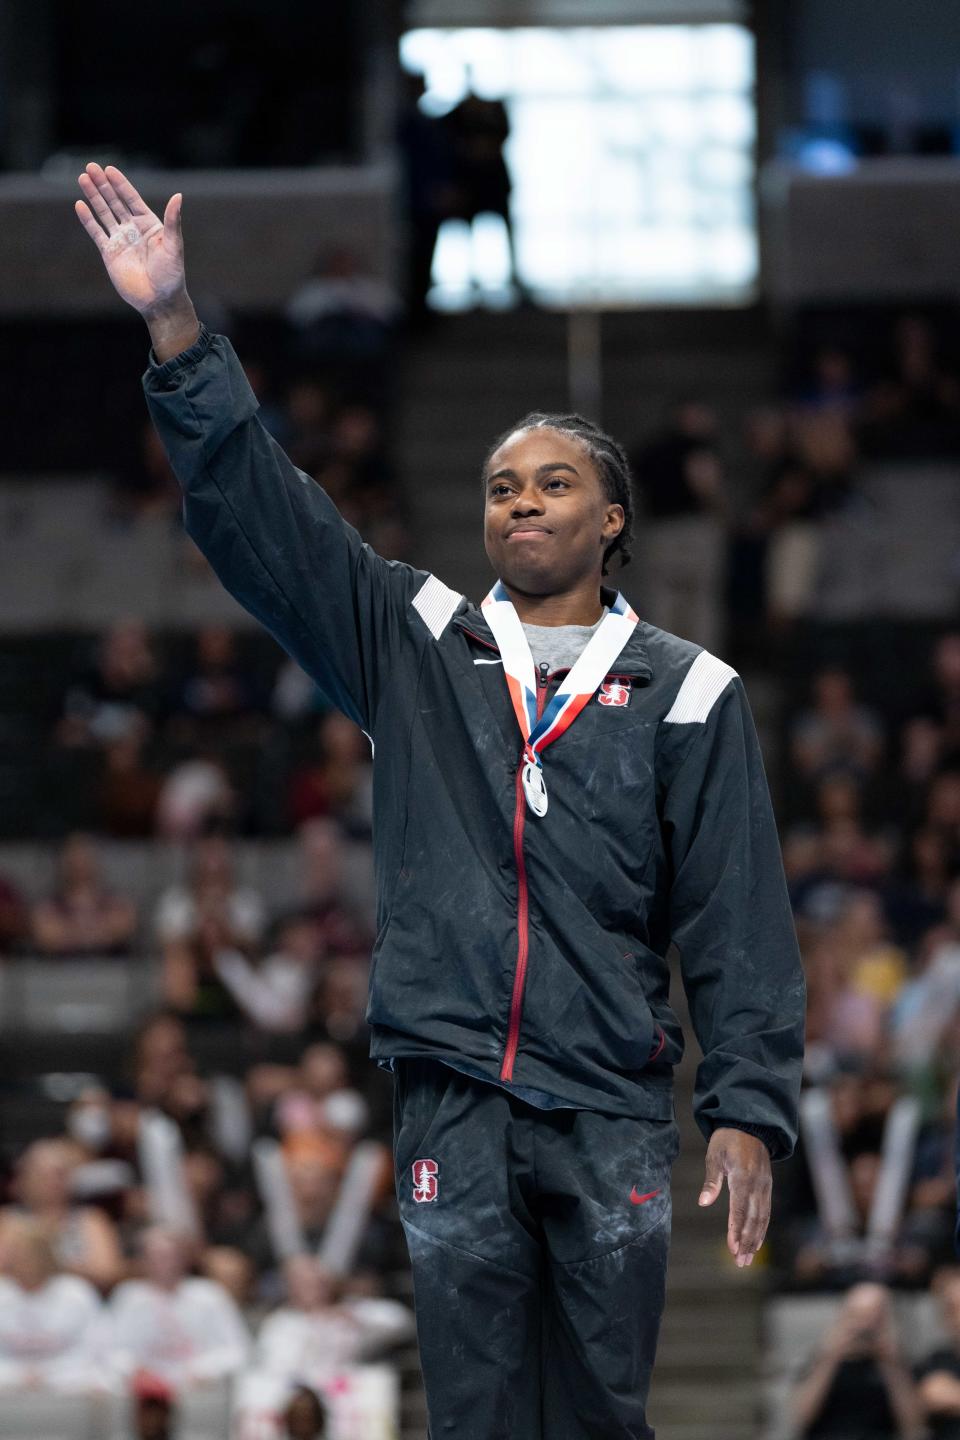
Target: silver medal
{"x": 534, "y": 788}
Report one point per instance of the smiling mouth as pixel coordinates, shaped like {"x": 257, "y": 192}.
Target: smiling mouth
{"x": 524, "y": 533}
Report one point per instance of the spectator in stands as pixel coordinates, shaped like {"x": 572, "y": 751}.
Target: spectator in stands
{"x": 833, "y": 384}
{"x": 160, "y": 1058}
{"x": 839, "y": 854}
{"x": 875, "y": 965}
{"x": 321, "y": 1099}
{"x": 943, "y": 811}
{"x": 129, "y": 790}
{"x": 217, "y": 695}
{"x": 82, "y": 916}
{"x": 825, "y": 446}
{"x": 836, "y": 733}
{"x": 318, "y": 1335}
{"x": 361, "y": 482}
{"x": 338, "y": 781}
{"x": 14, "y": 916}
{"x": 933, "y": 1192}
{"x": 914, "y": 411}
{"x": 103, "y": 1174}
{"x": 305, "y": 1417}
{"x": 908, "y": 1261}
{"x": 197, "y": 798}
{"x": 930, "y": 1001}
{"x": 342, "y": 1006}
{"x": 51, "y": 1325}
{"x": 309, "y": 407}
{"x": 844, "y": 1021}
{"x": 921, "y": 755}
{"x": 276, "y": 995}
{"x": 786, "y": 517}
{"x": 230, "y": 1267}
{"x": 83, "y": 1240}
{"x": 153, "y": 1409}
{"x": 941, "y": 704}
{"x": 323, "y": 1328}
{"x": 314, "y": 1168}
{"x": 858, "y": 1387}
{"x": 681, "y": 482}
{"x": 117, "y": 694}
{"x": 938, "y": 1374}
{"x": 183, "y": 1328}
{"x": 919, "y": 900}
{"x": 296, "y": 698}
{"x": 342, "y": 312}
{"x": 323, "y": 890}
{"x": 193, "y": 922}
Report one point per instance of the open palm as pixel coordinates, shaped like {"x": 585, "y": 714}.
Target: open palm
{"x": 143, "y": 254}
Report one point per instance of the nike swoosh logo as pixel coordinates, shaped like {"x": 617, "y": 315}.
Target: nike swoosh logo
{"x": 488, "y": 662}
{"x": 636, "y": 1199}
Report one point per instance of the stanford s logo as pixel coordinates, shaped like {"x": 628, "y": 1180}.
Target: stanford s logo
{"x": 614, "y": 692}
{"x": 425, "y": 1181}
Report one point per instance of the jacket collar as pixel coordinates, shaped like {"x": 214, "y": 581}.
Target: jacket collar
{"x": 633, "y": 659}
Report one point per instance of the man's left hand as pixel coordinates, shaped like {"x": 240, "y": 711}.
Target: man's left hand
{"x": 745, "y": 1161}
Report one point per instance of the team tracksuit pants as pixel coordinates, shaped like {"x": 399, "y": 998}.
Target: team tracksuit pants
{"x": 539, "y": 1242}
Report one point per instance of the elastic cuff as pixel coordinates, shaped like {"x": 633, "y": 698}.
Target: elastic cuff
{"x": 767, "y": 1133}
{"x": 163, "y": 370}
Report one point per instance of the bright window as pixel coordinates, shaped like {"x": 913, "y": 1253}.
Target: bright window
{"x": 631, "y": 154}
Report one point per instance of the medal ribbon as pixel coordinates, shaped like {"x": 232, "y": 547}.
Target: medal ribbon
{"x": 578, "y": 686}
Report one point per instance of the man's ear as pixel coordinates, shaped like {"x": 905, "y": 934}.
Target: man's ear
{"x": 613, "y": 522}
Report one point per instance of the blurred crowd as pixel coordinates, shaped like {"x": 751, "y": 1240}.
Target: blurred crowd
{"x": 866, "y": 1209}
{"x": 172, "y": 1230}
{"x": 179, "y": 736}
{"x": 175, "y": 1235}
{"x": 731, "y": 541}
{"x": 731, "y": 549}
{"x": 322, "y": 372}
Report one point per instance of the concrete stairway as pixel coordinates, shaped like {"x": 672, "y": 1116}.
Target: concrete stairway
{"x": 704, "y": 1384}
{"x": 474, "y": 375}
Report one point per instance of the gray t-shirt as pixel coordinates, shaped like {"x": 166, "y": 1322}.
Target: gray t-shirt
{"x": 560, "y": 645}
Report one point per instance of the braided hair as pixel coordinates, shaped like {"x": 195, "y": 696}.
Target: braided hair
{"x": 609, "y": 459}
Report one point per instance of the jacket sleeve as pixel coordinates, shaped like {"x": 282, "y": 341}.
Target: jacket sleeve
{"x": 731, "y": 921}
{"x": 271, "y": 534}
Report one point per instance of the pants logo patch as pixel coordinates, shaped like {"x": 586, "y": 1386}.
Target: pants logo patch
{"x": 637, "y": 1199}
{"x": 425, "y": 1181}
{"x": 614, "y": 692}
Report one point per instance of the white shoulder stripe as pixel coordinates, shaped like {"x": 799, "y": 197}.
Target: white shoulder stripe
{"x": 702, "y": 685}
{"x": 435, "y": 603}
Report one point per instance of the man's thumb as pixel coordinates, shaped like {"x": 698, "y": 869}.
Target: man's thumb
{"x": 713, "y": 1183}
{"x": 171, "y": 216}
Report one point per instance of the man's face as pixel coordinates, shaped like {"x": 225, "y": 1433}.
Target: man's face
{"x": 547, "y": 519}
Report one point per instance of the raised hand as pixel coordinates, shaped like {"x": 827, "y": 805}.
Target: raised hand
{"x": 143, "y": 254}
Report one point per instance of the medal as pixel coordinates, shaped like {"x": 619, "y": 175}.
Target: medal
{"x": 534, "y": 787}
{"x": 578, "y": 685}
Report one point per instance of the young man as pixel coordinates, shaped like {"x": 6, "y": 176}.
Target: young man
{"x": 560, "y": 790}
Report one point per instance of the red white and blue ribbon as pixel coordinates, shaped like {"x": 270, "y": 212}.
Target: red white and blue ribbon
{"x": 576, "y": 689}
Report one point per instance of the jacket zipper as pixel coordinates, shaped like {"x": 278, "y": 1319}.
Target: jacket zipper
{"x": 523, "y": 902}
{"x": 523, "y": 896}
